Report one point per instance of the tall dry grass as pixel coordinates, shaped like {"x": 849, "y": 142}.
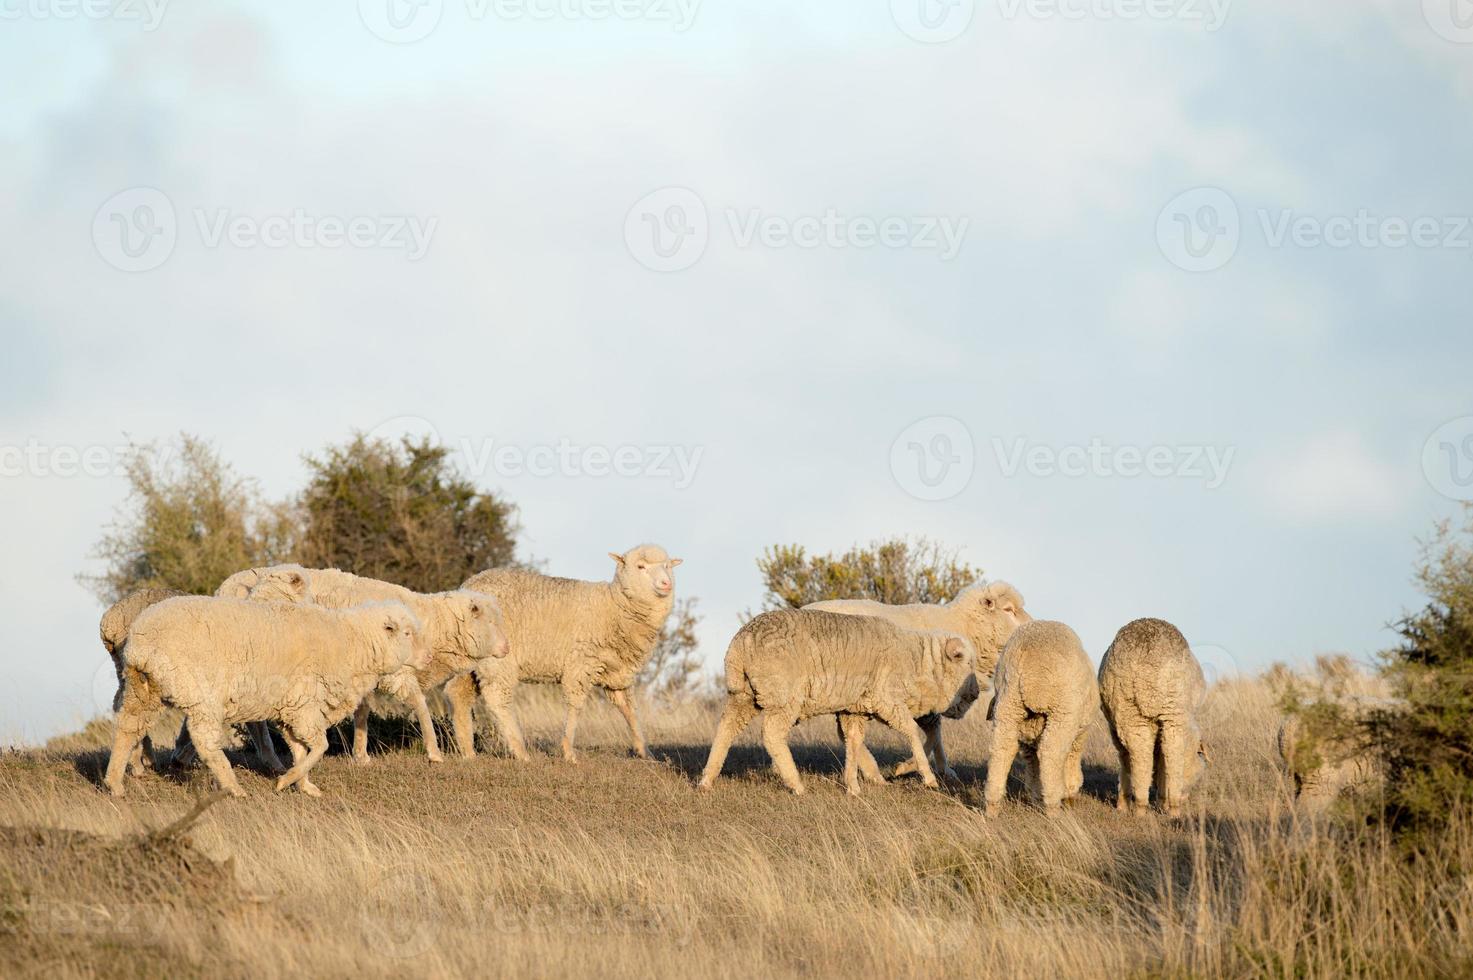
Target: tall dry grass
{"x": 617, "y": 867}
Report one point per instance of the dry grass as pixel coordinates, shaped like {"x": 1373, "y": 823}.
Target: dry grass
{"x": 619, "y": 868}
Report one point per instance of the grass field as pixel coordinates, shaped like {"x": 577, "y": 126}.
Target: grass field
{"x": 617, "y": 867}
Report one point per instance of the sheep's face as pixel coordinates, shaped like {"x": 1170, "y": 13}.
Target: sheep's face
{"x": 403, "y": 638}
{"x": 282, "y": 585}
{"x": 480, "y": 614}
{"x": 966, "y": 696}
{"x": 646, "y": 571}
{"x": 995, "y": 611}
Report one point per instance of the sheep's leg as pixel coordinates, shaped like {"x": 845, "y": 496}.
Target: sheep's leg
{"x": 461, "y": 693}
{"x": 299, "y": 751}
{"x": 936, "y": 749}
{"x": 1032, "y": 785}
{"x": 868, "y": 767}
{"x": 184, "y": 754}
{"x": 1158, "y": 767}
{"x": 297, "y": 774}
{"x": 360, "y": 735}
{"x": 498, "y": 702}
{"x": 134, "y": 718}
{"x": 903, "y": 723}
{"x": 1173, "y": 759}
{"x": 776, "y": 724}
{"x": 1000, "y": 762}
{"x": 739, "y": 711}
{"x": 426, "y": 722}
{"x": 851, "y": 727}
{"x": 1140, "y": 749}
{"x": 1074, "y": 767}
{"x": 625, "y": 705}
{"x": 575, "y": 695}
{"x": 1122, "y": 799}
{"x": 260, "y": 734}
{"x": 207, "y": 733}
{"x": 1053, "y": 753}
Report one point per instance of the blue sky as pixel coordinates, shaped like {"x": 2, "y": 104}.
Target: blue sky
{"x": 1070, "y": 155}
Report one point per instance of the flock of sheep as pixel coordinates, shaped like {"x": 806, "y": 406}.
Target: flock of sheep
{"x": 303, "y": 648}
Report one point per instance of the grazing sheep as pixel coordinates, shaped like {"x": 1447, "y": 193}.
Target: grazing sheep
{"x": 985, "y": 614}
{"x": 113, "y": 629}
{"x": 792, "y": 664}
{"x": 1326, "y": 753}
{"x": 1044, "y": 695}
{"x": 223, "y": 661}
{"x": 1151, "y": 688}
{"x": 461, "y": 629}
{"x": 578, "y": 634}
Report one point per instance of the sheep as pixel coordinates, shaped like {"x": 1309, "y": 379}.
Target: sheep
{"x": 792, "y": 664}
{"x": 1151, "y": 688}
{"x": 570, "y": 632}
{"x": 253, "y": 584}
{"x": 1326, "y": 753}
{"x": 113, "y": 628}
{"x": 985, "y": 614}
{"x": 461, "y": 629}
{"x": 1044, "y": 694}
{"x": 233, "y": 660}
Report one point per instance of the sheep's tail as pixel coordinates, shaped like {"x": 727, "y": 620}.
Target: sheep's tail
{"x": 736, "y": 663}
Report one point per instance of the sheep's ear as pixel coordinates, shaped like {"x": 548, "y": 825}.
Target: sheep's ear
{"x": 475, "y": 610}
{"x": 1206, "y": 756}
{"x": 992, "y": 709}
{"x": 676, "y": 561}
{"x": 955, "y": 650}
{"x": 618, "y": 558}
{"x": 296, "y": 579}
{"x": 989, "y": 601}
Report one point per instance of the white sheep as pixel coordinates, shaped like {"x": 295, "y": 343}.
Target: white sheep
{"x": 792, "y": 664}
{"x": 223, "y": 661}
{"x": 578, "y": 634}
{"x": 1328, "y": 753}
{"x": 461, "y": 628}
{"x": 113, "y": 628}
{"x": 986, "y": 614}
{"x": 1151, "y": 688}
{"x": 1044, "y": 695}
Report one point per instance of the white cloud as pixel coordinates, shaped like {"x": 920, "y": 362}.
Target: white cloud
{"x": 1330, "y": 477}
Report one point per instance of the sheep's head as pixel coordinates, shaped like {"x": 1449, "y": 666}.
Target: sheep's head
{"x": 402, "y": 637}
{"x": 481, "y": 617}
{"x": 287, "y": 583}
{"x": 645, "y": 571}
{"x": 958, "y": 672}
{"x": 995, "y": 611}
{"x": 239, "y": 585}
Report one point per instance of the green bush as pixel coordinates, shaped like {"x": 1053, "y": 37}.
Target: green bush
{"x": 895, "y": 571}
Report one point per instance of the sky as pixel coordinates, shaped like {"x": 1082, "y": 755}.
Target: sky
{"x": 1149, "y": 307}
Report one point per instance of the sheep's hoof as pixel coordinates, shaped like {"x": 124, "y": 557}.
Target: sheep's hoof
{"x": 236, "y": 792}
{"x": 930, "y": 783}
{"x": 852, "y": 789}
{"x": 703, "y": 787}
{"x": 362, "y": 760}
{"x": 309, "y": 789}
{"x": 1053, "y": 812}
{"x": 571, "y": 758}
{"x": 640, "y": 753}
{"x": 117, "y": 792}
{"x": 798, "y": 790}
